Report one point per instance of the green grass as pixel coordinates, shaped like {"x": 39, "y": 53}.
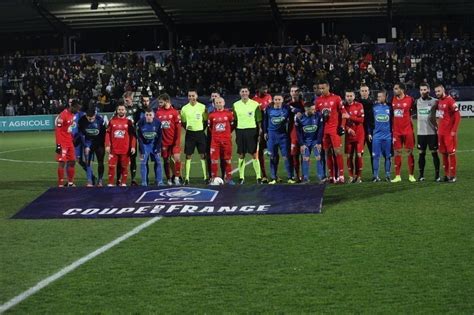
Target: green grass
{"x": 377, "y": 248}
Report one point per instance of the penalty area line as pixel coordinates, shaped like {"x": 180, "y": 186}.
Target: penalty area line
{"x": 61, "y": 273}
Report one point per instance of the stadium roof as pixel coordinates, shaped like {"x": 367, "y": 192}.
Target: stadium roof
{"x": 47, "y": 15}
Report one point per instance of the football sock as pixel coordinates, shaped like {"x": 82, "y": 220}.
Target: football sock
{"x": 411, "y": 164}
{"x": 204, "y": 168}
{"x": 256, "y": 167}
{"x": 452, "y": 165}
{"x": 398, "y": 164}
{"x": 188, "y": 168}
{"x": 436, "y": 163}
{"x": 421, "y": 163}
{"x": 241, "y": 168}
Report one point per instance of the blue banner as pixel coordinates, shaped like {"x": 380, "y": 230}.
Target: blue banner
{"x": 24, "y": 123}
{"x": 139, "y": 202}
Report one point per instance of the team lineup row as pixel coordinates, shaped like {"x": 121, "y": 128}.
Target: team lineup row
{"x": 264, "y": 126}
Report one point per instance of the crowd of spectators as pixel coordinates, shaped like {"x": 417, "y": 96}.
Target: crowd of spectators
{"x": 42, "y": 85}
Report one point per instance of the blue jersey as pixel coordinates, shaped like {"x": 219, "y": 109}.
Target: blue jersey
{"x": 276, "y": 119}
{"x": 382, "y": 121}
{"x": 92, "y": 133}
{"x": 149, "y": 135}
{"x": 309, "y": 129}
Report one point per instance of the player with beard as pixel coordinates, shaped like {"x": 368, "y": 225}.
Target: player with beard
{"x": 264, "y": 99}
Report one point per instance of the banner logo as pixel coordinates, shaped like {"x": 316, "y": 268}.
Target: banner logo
{"x": 176, "y": 195}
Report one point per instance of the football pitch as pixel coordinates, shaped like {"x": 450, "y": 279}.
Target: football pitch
{"x": 376, "y": 248}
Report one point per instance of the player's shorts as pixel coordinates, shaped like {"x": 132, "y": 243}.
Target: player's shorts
{"x": 278, "y": 140}
{"x": 246, "y": 140}
{"x": 407, "y": 141}
{"x": 382, "y": 147}
{"x": 170, "y": 150}
{"x": 351, "y": 144}
{"x": 221, "y": 149}
{"x": 430, "y": 141}
{"x": 67, "y": 154}
{"x": 123, "y": 159}
{"x": 193, "y": 140}
{"x": 311, "y": 148}
{"x": 447, "y": 144}
{"x": 331, "y": 140}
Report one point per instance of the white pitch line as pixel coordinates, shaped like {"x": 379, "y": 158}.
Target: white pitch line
{"x": 61, "y": 273}
{"x": 24, "y": 149}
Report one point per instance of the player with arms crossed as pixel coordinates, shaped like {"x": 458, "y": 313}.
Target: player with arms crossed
{"x": 355, "y": 137}
{"x": 171, "y": 138}
{"x": 403, "y": 136}
{"x": 120, "y": 143}
{"x": 193, "y": 117}
{"x": 310, "y": 129}
{"x": 275, "y": 129}
{"x": 65, "y": 153}
{"x": 221, "y": 124}
{"x": 334, "y": 113}
{"x": 449, "y": 118}
{"x": 264, "y": 99}
{"x": 380, "y": 134}
{"x": 427, "y": 136}
{"x": 92, "y": 129}
{"x": 149, "y": 144}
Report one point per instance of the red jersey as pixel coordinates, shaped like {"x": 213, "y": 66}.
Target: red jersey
{"x": 263, "y": 101}
{"x": 221, "y": 125}
{"x": 448, "y": 116}
{"x": 402, "y": 110}
{"x": 120, "y": 136}
{"x": 333, "y": 104}
{"x": 170, "y": 126}
{"x": 355, "y": 121}
{"x": 64, "y": 125}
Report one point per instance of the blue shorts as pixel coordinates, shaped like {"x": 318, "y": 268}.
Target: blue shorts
{"x": 278, "y": 140}
{"x": 382, "y": 147}
{"x": 311, "y": 148}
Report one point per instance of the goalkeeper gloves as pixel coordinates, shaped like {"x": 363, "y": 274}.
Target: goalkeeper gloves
{"x": 340, "y": 131}
{"x": 58, "y": 148}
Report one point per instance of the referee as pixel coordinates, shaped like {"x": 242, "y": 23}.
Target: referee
{"x": 248, "y": 118}
{"x": 427, "y": 136}
{"x": 193, "y": 116}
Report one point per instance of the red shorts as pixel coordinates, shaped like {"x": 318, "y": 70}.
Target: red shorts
{"x": 221, "y": 149}
{"x": 331, "y": 140}
{"x": 447, "y": 144}
{"x": 358, "y": 144}
{"x": 68, "y": 153}
{"x": 168, "y": 151}
{"x": 400, "y": 141}
{"x": 124, "y": 160}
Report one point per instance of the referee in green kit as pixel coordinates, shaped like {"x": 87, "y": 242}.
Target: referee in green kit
{"x": 248, "y": 115}
{"x": 193, "y": 117}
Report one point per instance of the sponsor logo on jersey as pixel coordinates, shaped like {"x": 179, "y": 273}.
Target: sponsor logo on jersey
{"x": 398, "y": 113}
{"x": 277, "y": 120}
{"x": 92, "y": 132}
{"x": 119, "y": 134}
{"x": 382, "y": 118}
{"x": 165, "y": 124}
{"x": 310, "y": 128}
{"x": 424, "y": 111}
{"x": 175, "y": 195}
{"x": 220, "y": 127}
{"x": 149, "y": 135}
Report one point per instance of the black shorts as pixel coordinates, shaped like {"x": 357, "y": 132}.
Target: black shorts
{"x": 193, "y": 140}
{"x": 246, "y": 140}
{"x": 430, "y": 141}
